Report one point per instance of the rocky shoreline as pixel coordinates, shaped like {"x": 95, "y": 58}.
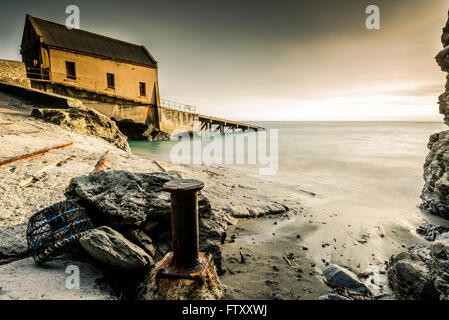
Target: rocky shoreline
{"x": 420, "y": 273}
{"x": 139, "y": 209}
{"x": 124, "y": 197}
{"x": 131, "y": 218}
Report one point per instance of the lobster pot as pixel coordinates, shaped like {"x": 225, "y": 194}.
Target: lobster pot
{"x": 55, "y": 229}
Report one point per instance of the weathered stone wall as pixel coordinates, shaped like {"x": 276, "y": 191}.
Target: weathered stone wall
{"x": 108, "y": 105}
{"x": 14, "y": 72}
{"x": 91, "y": 75}
{"x": 174, "y": 121}
{"x": 166, "y": 120}
{"x": 44, "y": 99}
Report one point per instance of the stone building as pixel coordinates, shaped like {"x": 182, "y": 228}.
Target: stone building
{"x": 84, "y": 64}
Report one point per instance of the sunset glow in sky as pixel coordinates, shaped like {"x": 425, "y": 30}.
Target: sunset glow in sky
{"x": 273, "y": 60}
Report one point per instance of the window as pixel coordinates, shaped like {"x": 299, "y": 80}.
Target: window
{"x": 70, "y": 69}
{"x": 142, "y": 89}
{"x": 111, "y": 80}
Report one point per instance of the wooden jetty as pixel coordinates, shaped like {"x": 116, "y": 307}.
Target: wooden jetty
{"x": 223, "y": 125}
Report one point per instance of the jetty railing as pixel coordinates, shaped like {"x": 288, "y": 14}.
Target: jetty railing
{"x": 169, "y": 104}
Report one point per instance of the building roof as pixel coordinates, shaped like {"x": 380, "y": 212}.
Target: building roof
{"x": 57, "y": 35}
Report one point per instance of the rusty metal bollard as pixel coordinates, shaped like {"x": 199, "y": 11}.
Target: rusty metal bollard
{"x": 185, "y": 261}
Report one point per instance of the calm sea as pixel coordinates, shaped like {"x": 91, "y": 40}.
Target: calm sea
{"x": 367, "y": 177}
{"x": 375, "y": 164}
{"x": 338, "y": 156}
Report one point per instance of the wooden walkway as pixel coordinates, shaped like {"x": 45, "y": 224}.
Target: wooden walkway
{"x": 224, "y": 125}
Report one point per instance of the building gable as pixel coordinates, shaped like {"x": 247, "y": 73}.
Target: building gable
{"x": 84, "y": 42}
{"x": 31, "y": 35}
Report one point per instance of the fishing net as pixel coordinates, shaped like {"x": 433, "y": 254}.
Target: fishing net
{"x": 54, "y": 230}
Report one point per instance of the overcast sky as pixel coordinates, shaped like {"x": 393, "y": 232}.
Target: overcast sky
{"x": 272, "y": 60}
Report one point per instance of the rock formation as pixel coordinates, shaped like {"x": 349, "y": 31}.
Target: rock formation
{"x": 136, "y": 205}
{"x": 422, "y": 273}
{"x": 430, "y": 232}
{"x": 435, "y": 194}
{"x": 85, "y": 120}
{"x": 111, "y": 248}
{"x": 14, "y": 72}
{"x": 141, "y": 131}
{"x": 345, "y": 280}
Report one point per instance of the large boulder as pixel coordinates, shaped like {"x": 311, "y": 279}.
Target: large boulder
{"x": 435, "y": 193}
{"x": 140, "y": 238}
{"x": 25, "y": 280}
{"x": 85, "y": 120}
{"x": 343, "y": 278}
{"x": 141, "y": 131}
{"x": 111, "y": 248}
{"x": 128, "y": 201}
{"x": 431, "y": 232}
{"x": 421, "y": 273}
{"x": 120, "y": 198}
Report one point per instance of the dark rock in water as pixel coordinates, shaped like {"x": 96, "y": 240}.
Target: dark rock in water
{"x": 332, "y": 296}
{"x": 430, "y": 232}
{"x": 85, "y": 120}
{"x": 435, "y": 193}
{"x": 159, "y": 136}
{"x": 111, "y": 248}
{"x": 341, "y": 277}
{"x": 125, "y": 200}
{"x": 422, "y": 273}
{"x": 134, "y": 130}
{"x": 141, "y": 131}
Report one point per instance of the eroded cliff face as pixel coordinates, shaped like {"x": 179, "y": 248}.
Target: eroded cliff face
{"x": 435, "y": 194}
{"x": 443, "y": 61}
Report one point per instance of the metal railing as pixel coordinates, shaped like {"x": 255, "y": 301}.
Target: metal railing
{"x": 38, "y": 73}
{"x": 94, "y": 84}
{"x": 169, "y": 104}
